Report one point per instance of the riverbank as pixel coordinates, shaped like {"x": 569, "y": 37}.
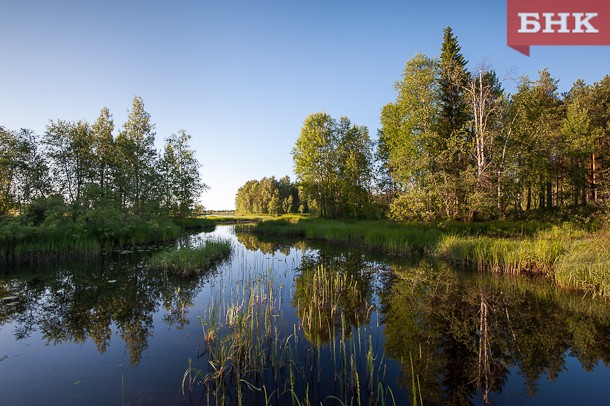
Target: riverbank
{"x": 575, "y": 254}
{"x": 25, "y": 241}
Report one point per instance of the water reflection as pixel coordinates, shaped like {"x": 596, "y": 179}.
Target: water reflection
{"x": 465, "y": 333}
{"x": 76, "y": 303}
{"x": 266, "y": 245}
{"x": 333, "y": 293}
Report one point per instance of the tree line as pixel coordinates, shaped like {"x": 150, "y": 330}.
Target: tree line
{"x": 81, "y": 187}
{"x": 89, "y": 167}
{"x": 455, "y": 144}
{"x": 269, "y": 196}
{"x": 333, "y": 161}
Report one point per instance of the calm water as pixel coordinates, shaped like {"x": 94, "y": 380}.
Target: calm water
{"x": 112, "y": 332}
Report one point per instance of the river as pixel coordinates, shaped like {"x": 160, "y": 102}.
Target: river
{"x": 291, "y": 322}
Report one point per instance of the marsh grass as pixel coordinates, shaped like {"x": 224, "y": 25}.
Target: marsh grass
{"x": 385, "y": 236}
{"x": 22, "y": 243}
{"x": 188, "y": 261}
{"x": 575, "y": 254}
{"x": 256, "y": 355}
{"x": 586, "y": 267}
{"x": 254, "y": 218}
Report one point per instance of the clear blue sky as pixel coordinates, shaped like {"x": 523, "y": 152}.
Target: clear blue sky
{"x": 241, "y": 76}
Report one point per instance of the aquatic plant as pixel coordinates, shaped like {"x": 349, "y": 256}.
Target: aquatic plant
{"x": 187, "y": 261}
{"x": 257, "y": 355}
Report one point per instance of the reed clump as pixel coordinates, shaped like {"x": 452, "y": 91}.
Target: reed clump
{"x": 256, "y": 355}
{"x": 189, "y": 261}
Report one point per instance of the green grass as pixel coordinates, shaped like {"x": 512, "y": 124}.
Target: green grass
{"x": 570, "y": 252}
{"x": 22, "y": 242}
{"x": 385, "y": 236}
{"x": 253, "y": 218}
{"x": 586, "y": 267}
{"x": 189, "y": 261}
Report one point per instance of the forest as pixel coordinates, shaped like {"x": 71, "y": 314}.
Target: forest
{"x": 80, "y": 187}
{"x": 456, "y": 145}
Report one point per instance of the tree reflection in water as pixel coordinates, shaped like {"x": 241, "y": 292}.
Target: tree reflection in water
{"x": 465, "y": 332}
{"x": 458, "y": 334}
{"x": 76, "y": 302}
{"x": 332, "y": 290}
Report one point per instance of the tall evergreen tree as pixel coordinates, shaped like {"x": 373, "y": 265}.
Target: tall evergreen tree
{"x": 455, "y": 165}
{"x": 454, "y": 78}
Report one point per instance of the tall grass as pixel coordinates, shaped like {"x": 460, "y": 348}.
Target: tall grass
{"x": 569, "y": 252}
{"x": 586, "y": 267}
{"x": 21, "y": 242}
{"x": 256, "y": 355}
{"x": 188, "y": 261}
{"x": 389, "y": 237}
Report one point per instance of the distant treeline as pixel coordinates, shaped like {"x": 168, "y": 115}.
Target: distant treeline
{"x": 269, "y": 196}
{"x": 333, "y": 160}
{"x": 456, "y": 145}
{"x": 84, "y": 182}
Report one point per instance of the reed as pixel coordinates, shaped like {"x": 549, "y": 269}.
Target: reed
{"x": 21, "y": 242}
{"x": 255, "y": 355}
{"x": 189, "y": 261}
{"x": 586, "y": 267}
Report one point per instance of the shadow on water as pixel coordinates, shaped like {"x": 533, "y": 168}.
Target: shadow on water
{"x": 466, "y": 332}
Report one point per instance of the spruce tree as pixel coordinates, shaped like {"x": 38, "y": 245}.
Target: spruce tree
{"x": 453, "y": 79}
{"x": 454, "y": 136}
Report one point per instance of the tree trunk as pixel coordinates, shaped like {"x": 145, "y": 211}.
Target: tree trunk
{"x": 593, "y": 178}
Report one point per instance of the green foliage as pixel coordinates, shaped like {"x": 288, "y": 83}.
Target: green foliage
{"x": 267, "y": 196}
{"x": 87, "y": 190}
{"x": 48, "y": 230}
{"x": 416, "y": 204}
{"x": 180, "y": 175}
{"x": 518, "y": 247}
{"x": 191, "y": 261}
{"x": 457, "y": 146}
{"x": 333, "y": 163}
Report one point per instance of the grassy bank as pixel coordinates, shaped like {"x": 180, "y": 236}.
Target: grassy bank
{"x": 189, "y": 261}
{"x": 25, "y": 241}
{"x": 575, "y": 254}
{"x": 251, "y": 218}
